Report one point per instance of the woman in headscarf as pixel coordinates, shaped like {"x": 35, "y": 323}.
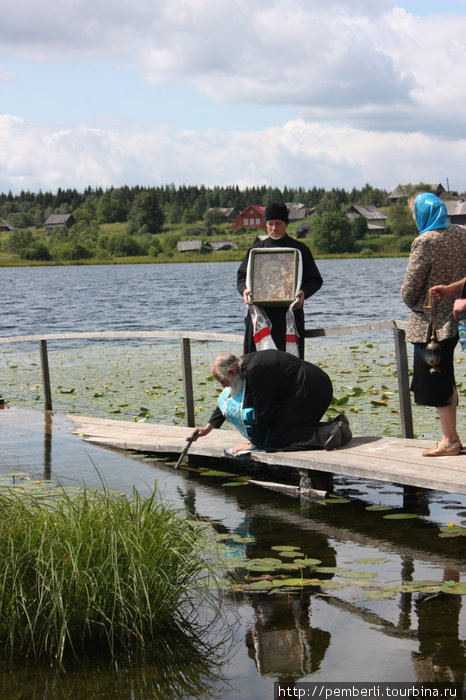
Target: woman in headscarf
{"x": 437, "y": 257}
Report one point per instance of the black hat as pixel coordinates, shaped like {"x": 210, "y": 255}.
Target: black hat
{"x": 276, "y": 211}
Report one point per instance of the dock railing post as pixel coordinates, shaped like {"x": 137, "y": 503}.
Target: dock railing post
{"x": 403, "y": 382}
{"x": 44, "y": 363}
{"x": 187, "y": 382}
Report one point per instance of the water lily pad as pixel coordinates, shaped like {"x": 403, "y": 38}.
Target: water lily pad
{"x": 380, "y": 560}
{"x": 379, "y": 508}
{"x": 358, "y": 574}
{"x": 330, "y": 569}
{"x": 307, "y": 561}
{"x": 265, "y": 564}
{"x": 401, "y": 516}
{"x": 258, "y": 586}
{"x": 299, "y": 582}
{"x": 378, "y": 595}
{"x": 454, "y": 588}
{"x": 214, "y": 472}
{"x": 243, "y": 540}
{"x": 291, "y": 554}
{"x": 284, "y": 547}
{"x": 235, "y": 483}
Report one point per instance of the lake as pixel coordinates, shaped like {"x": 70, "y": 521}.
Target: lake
{"x": 191, "y": 296}
{"x": 362, "y": 624}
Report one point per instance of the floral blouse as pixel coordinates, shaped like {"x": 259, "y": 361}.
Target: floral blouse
{"x": 437, "y": 257}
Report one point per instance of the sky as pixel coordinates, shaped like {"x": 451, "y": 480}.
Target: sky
{"x": 296, "y": 93}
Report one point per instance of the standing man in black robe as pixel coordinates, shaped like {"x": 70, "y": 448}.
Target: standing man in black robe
{"x": 276, "y": 218}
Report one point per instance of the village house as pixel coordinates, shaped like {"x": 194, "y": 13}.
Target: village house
{"x": 192, "y": 246}
{"x": 229, "y": 213}
{"x": 376, "y": 221}
{"x": 403, "y": 192}
{"x": 296, "y": 211}
{"x": 456, "y": 211}
{"x": 58, "y": 221}
{"x": 251, "y": 217}
{"x": 5, "y": 226}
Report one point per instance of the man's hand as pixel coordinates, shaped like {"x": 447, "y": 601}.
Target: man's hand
{"x": 300, "y": 297}
{"x": 247, "y": 297}
{"x": 203, "y": 431}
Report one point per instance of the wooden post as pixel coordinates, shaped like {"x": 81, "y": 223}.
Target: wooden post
{"x": 44, "y": 362}
{"x": 403, "y": 383}
{"x": 187, "y": 382}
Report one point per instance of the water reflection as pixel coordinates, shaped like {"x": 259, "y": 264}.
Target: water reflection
{"x": 441, "y": 655}
{"x": 180, "y": 665}
{"x": 332, "y": 635}
{"x": 282, "y": 642}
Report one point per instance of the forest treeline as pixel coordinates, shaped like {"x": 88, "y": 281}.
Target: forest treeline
{"x": 153, "y": 219}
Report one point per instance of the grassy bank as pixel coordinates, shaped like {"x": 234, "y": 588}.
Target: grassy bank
{"x": 373, "y": 246}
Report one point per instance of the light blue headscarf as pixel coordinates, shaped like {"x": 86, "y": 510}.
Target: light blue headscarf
{"x": 430, "y": 212}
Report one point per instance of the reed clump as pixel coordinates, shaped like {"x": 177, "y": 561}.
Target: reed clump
{"x": 93, "y": 570}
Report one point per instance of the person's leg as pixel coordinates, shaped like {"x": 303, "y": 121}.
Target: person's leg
{"x": 447, "y": 415}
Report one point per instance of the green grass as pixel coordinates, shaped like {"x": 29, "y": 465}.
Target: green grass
{"x": 93, "y": 570}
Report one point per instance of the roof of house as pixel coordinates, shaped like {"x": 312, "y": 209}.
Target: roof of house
{"x": 57, "y": 219}
{"x": 405, "y": 190}
{"x": 5, "y": 225}
{"x": 185, "y": 246}
{"x": 258, "y": 208}
{"x": 456, "y": 208}
{"x": 369, "y": 211}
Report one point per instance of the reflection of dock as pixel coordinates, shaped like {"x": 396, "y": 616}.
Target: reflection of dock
{"x": 393, "y": 460}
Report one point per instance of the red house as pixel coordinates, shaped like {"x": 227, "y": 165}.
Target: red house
{"x": 251, "y": 217}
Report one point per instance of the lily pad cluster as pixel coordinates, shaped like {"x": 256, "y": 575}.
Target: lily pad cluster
{"x": 143, "y": 382}
{"x": 288, "y": 569}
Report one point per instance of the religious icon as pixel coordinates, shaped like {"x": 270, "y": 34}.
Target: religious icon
{"x": 274, "y": 275}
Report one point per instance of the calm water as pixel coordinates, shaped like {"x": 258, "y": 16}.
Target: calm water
{"x": 183, "y": 297}
{"x": 336, "y": 635}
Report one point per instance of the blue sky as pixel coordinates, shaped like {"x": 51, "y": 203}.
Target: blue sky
{"x": 246, "y": 92}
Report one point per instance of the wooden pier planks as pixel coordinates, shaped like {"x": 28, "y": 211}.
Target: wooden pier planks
{"x": 394, "y": 460}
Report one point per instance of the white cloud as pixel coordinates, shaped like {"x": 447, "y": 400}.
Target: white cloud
{"x": 377, "y": 92}
{"x": 297, "y": 154}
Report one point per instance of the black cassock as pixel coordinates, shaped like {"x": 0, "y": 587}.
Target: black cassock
{"x": 311, "y": 283}
{"x": 289, "y": 397}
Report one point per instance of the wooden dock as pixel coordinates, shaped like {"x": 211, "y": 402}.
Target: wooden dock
{"x": 394, "y": 460}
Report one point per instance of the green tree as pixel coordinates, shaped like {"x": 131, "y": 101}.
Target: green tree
{"x": 359, "y": 227}
{"x": 145, "y": 211}
{"x": 18, "y": 240}
{"x": 111, "y": 207}
{"x": 332, "y": 233}
{"x": 402, "y": 222}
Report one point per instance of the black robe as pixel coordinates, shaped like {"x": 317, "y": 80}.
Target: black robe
{"x": 289, "y": 397}
{"x": 311, "y": 283}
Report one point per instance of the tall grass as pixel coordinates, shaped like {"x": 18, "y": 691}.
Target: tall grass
{"x": 93, "y": 570}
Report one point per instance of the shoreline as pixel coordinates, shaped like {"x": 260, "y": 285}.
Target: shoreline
{"x": 179, "y": 258}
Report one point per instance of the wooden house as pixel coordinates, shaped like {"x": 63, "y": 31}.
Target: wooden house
{"x": 5, "y": 226}
{"x": 296, "y": 211}
{"x": 58, "y": 221}
{"x": 376, "y": 221}
{"x": 191, "y": 246}
{"x": 456, "y": 211}
{"x": 229, "y": 213}
{"x": 403, "y": 192}
{"x": 251, "y": 217}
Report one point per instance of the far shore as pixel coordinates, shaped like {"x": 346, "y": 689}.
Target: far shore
{"x": 213, "y": 257}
